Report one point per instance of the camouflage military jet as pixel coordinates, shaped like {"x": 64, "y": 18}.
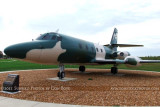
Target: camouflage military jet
{"x": 57, "y": 49}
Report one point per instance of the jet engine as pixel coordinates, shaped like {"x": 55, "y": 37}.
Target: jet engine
{"x": 132, "y": 61}
{"x": 122, "y": 55}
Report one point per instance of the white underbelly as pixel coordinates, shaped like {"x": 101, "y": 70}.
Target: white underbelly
{"x": 45, "y": 56}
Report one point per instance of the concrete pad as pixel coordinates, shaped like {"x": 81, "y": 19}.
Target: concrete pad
{"x": 64, "y": 79}
{"x": 10, "y": 92}
{"x": 79, "y": 72}
{"x": 110, "y": 74}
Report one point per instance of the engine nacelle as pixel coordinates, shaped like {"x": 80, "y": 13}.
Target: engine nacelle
{"x": 132, "y": 61}
{"x": 123, "y": 55}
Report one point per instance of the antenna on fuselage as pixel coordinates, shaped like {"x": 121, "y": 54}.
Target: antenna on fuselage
{"x": 57, "y": 31}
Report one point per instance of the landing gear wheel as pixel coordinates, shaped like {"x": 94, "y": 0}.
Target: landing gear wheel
{"x": 114, "y": 70}
{"x": 82, "y": 68}
{"x": 61, "y": 75}
{"x": 58, "y": 74}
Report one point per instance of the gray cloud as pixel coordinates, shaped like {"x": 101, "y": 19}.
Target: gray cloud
{"x": 91, "y": 16}
{"x": 88, "y": 17}
{"x": 1, "y": 23}
{"x": 145, "y": 51}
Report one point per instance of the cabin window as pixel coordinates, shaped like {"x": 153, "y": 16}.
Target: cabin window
{"x": 97, "y": 49}
{"x": 59, "y": 38}
{"x": 101, "y": 50}
{"x": 86, "y": 47}
{"x": 80, "y": 46}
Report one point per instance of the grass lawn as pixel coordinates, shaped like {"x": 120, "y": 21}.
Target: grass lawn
{"x": 13, "y": 64}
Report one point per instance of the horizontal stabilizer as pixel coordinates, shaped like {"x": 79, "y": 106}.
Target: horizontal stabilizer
{"x": 124, "y": 45}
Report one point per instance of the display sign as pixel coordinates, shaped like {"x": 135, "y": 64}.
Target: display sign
{"x": 11, "y": 84}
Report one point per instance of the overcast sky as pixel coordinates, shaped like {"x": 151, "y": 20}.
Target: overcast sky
{"x": 137, "y": 21}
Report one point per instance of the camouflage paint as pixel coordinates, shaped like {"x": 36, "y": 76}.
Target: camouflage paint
{"x": 68, "y": 50}
{"x": 54, "y": 48}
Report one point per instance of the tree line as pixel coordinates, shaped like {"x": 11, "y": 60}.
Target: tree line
{"x": 151, "y": 58}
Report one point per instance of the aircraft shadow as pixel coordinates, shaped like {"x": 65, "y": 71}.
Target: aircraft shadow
{"x": 126, "y": 74}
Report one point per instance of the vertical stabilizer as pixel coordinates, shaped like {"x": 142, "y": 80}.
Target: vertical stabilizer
{"x": 114, "y": 39}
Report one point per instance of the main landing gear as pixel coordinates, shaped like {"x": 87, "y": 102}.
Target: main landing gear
{"x": 82, "y": 68}
{"x": 114, "y": 70}
{"x": 61, "y": 73}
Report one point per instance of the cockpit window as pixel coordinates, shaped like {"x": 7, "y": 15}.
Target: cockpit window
{"x": 40, "y": 37}
{"x": 46, "y": 37}
{"x": 50, "y": 36}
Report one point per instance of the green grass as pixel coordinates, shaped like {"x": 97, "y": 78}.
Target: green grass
{"x": 13, "y": 64}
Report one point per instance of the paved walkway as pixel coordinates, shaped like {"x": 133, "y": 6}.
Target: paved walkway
{"x": 11, "y": 102}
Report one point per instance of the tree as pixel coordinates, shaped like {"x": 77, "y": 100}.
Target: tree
{"x": 1, "y": 54}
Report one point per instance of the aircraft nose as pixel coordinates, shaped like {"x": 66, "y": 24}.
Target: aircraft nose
{"x": 20, "y": 50}
{"x": 15, "y": 51}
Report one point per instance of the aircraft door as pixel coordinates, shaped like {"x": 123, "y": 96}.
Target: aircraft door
{"x": 100, "y": 52}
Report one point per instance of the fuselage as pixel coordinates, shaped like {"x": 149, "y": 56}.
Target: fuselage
{"x": 54, "y": 48}
{"x": 58, "y": 49}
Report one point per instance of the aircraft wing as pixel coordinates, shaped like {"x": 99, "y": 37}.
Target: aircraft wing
{"x": 110, "y": 61}
{"x": 127, "y": 61}
{"x": 149, "y": 61}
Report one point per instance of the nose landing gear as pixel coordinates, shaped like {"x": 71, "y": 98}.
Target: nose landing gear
{"x": 114, "y": 70}
{"x": 61, "y": 73}
{"x": 82, "y": 68}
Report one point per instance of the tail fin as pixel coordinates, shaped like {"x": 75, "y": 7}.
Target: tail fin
{"x": 114, "y": 39}
{"x": 113, "y": 44}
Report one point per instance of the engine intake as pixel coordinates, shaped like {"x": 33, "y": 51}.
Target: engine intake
{"x": 123, "y": 55}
